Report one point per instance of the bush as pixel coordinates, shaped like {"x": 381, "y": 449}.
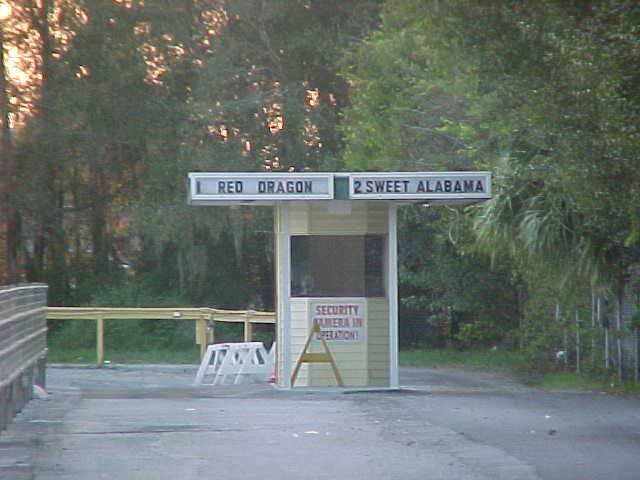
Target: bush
{"x": 141, "y": 335}
{"x": 481, "y": 333}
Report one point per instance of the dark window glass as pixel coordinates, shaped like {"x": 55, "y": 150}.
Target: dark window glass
{"x": 337, "y": 266}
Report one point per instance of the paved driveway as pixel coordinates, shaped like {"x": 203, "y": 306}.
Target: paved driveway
{"x": 150, "y": 423}
{"x": 565, "y": 435}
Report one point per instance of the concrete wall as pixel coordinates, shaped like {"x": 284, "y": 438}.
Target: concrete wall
{"x": 23, "y": 346}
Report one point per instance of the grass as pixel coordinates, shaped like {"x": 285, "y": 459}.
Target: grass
{"x": 493, "y": 360}
{"x": 577, "y": 381}
{"x": 512, "y": 364}
{"x": 84, "y": 356}
{"x": 135, "y": 341}
{"x": 569, "y": 380}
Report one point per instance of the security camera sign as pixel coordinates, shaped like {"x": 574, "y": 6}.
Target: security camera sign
{"x": 339, "y": 322}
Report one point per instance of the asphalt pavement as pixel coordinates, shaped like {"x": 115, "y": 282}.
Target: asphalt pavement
{"x": 149, "y": 422}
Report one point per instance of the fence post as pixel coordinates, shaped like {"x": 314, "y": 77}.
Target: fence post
{"x": 605, "y": 324}
{"x": 636, "y": 354}
{"x": 204, "y": 333}
{"x": 201, "y": 335}
{"x": 248, "y": 327}
{"x": 578, "y": 343}
{"x": 619, "y": 308}
{"x": 211, "y": 332}
{"x": 593, "y": 328}
{"x": 99, "y": 341}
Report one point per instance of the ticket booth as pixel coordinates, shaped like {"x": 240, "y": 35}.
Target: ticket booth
{"x": 336, "y": 262}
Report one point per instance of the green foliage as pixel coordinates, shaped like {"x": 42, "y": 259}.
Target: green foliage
{"x": 554, "y": 116}
{"x": 634, "y": 323}
{"x": 545, "y": 96}
{"x": 247, "y": 106}
{"x": 136, "y": 94}
{"x": 136, "y": 335}
{"x": 541, "y": 110}
{"x": 136, "y": 293}
{"x": 447, "y": 285}
{"x": 400, "y": 111}
{"x": 480, "y": 333}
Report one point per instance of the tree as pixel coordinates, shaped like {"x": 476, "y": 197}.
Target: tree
{"x": 264, "y": 94}
{"x": 6, "y": 151}
{"x": 447, "y": 286}
{"x": 543, "y": 95}
{"x": 16, "y": 91}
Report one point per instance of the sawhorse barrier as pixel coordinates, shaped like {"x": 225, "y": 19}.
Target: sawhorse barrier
{"x": 236, "y": 361}
{"x": 307, "y": 357}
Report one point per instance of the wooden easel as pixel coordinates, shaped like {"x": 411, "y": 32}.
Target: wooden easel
{"x": 326, "y": 357}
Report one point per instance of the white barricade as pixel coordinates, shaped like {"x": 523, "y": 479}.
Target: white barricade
{"x": 237, "y": 361}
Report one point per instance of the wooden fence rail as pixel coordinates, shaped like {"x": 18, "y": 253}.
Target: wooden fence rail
{"x": 204, "y": 318}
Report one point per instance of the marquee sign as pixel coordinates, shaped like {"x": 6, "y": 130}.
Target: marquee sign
{"x": 420, "y": 185}
{"x": 212, "y": 188}
{"x": 239, "y": 187}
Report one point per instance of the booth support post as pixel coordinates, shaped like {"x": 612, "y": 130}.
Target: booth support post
{"x": 283, "y": 291}
{"x": 392, "y": 295}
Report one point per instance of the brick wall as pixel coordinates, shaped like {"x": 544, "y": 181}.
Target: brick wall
{"x": 23, "y": 346}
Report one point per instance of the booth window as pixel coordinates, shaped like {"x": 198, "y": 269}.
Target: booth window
{"x": 337, "y": 266}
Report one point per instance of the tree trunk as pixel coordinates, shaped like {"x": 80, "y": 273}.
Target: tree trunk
{"x": 8, "y": 221}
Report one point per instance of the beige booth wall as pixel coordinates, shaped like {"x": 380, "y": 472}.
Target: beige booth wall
{"x": 363, "y": 363}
